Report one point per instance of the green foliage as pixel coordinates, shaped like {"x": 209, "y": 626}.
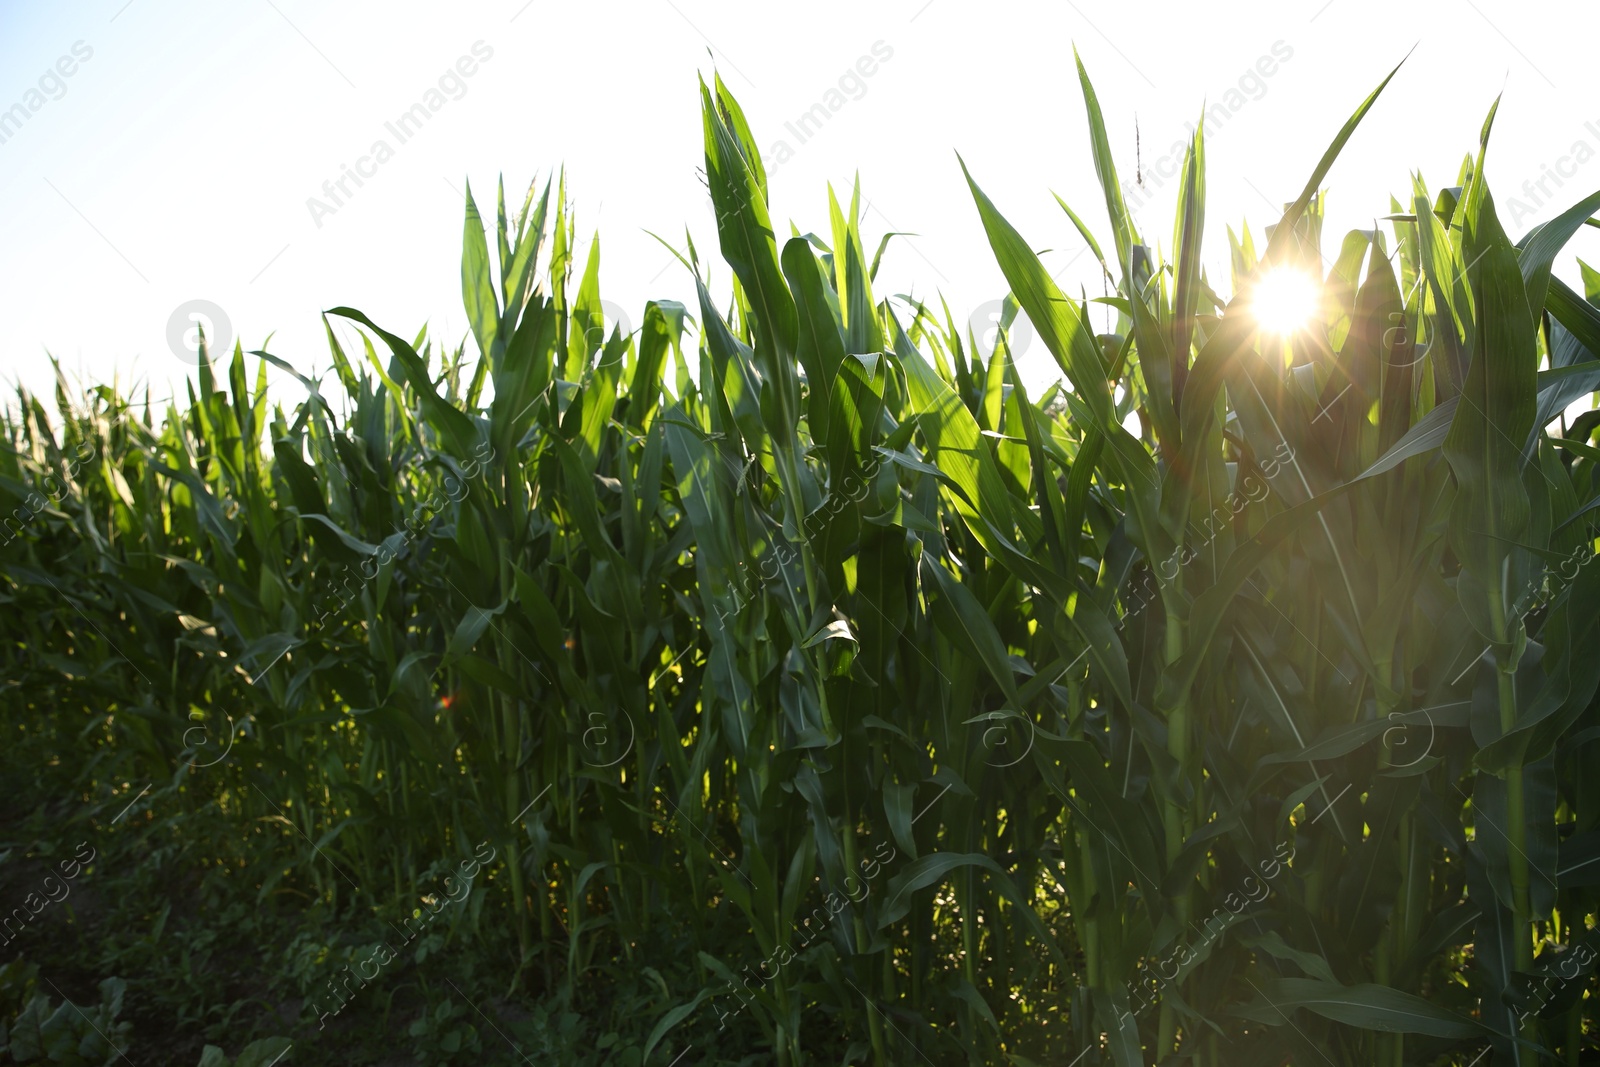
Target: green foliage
{"x": 68, "y": 1034}
{"x": 441, "y": 1033}
{"x": 263, "y": 1053}
{"x": 796, "y": 688}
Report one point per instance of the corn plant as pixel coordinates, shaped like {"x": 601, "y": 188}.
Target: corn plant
{"x": 1226, "y": 703}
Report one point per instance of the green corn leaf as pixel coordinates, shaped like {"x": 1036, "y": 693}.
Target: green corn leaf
{"x": 1056, "y": 318}
{"x": 1366, "y": 1006}
{"x": 477, "y": 291}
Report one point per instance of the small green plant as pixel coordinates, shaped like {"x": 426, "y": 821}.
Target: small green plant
{"x": 69, "y": 1035}
{"x": 443, "y": 1034}
{"x": 264, "y": 1053}
{"x": 19, "y": 980}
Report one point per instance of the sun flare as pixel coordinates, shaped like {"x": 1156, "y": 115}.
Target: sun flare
{"x": 1285, "y": 300}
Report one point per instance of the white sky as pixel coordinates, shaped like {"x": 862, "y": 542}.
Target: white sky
{"x": 177, "y": 160}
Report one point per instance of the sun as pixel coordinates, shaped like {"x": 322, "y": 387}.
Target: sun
{"x": 1285, "y": 300}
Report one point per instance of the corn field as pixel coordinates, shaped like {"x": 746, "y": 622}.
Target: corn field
{"x": 784, "y": 659}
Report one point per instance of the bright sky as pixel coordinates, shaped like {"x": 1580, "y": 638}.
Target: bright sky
{"x": 174, "y": 163}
